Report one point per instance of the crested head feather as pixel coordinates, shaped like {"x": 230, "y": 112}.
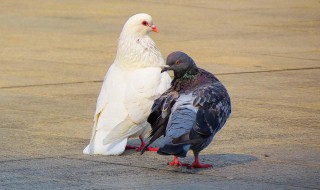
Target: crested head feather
{"x": 135, "y": 47}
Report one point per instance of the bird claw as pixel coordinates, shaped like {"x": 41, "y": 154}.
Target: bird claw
{"x": 176, "y": 162}
{"x": 151, "y": 149}
{"x": 139, "y": 148}
{"x": 198, "y": 165}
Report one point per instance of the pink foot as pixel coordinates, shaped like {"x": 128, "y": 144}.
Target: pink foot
{"x": 196, "y": 164}
{"x": 139, "y": 148}
{"x": 151, "y": 149}
{"x": 176, "y": 162}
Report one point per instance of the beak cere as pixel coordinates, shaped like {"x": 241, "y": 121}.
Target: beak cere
{"x": 154, "y": 28}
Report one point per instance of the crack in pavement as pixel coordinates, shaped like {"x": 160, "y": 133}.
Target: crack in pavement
{"x": 188, "y": 172}
{"x": 154, "y": 169}
{"x": 270, "y": 71}
{"x": 286, "y": 56}
{"x": 218, "y": 74}
{"x": 50, "y": 84}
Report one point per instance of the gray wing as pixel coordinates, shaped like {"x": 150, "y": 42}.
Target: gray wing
{"x": 159, "y": 115}
{"x": 180, "y": 123}
{"x": 214, "y": 108}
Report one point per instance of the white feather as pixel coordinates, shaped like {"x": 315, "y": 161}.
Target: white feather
{"x": 130, "y": 86}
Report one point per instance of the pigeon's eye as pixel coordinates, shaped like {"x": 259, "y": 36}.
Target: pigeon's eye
{"x": 178, "y": 62}
{"x": 145, "y": 23}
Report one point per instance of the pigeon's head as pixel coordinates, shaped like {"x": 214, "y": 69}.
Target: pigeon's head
{"x": 181, "y": 64}
{"x": 139, "y": 24}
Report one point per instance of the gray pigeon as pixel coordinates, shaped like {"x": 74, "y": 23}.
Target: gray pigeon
{"x": 190, "y": 112}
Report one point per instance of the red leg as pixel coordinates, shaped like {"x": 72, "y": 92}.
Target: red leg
{"x": 153, "y": 149}
{"x": 176, "y": 162}
{"x": 196, "y": 163}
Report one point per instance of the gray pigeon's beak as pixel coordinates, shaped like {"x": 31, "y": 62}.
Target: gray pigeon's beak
{"x": 165, "y": 68}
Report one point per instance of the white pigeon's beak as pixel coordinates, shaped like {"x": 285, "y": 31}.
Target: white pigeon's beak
{"x": 154, "y": 28}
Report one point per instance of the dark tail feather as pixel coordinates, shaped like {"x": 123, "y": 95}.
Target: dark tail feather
{"x": 185, "y": 139}
{"x": 182, "y": 138}
{"x": 193, "y": 141}
{"x": 160, "y": 131}
{"x": 173, "y": 149}
{"x": 160, "y": 122}
{"x": 153, "y": 117}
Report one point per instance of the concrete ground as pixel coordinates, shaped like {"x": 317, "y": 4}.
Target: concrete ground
{"x": 54, "y": 55}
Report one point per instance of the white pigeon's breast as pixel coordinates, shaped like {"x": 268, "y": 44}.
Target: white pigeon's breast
{"x": 144, "y": 80}
{"x": 141, "y": 91}
{"x": 135, "y": 52}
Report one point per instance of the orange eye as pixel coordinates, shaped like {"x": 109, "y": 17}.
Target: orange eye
{"x": 178, "y": 62}
{"x": 145, "y": 23}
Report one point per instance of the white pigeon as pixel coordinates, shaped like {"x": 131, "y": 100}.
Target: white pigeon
{"x": 132, "y": 83}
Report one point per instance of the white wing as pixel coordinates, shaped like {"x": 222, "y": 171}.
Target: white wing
{"x": 144, "y": 85}
{"x": 109, "y": 88}
{"x": 110, "y": 109}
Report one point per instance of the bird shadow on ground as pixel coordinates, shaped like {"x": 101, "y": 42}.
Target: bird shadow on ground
{"x": 216, "y": 160}
{"x": 225, "y": 160}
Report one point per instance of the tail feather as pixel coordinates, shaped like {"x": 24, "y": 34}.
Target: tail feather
{"x": 193, "y": 141}
{"x": 185, "y": 139}
{"x": 158, "y": 126}
{"x": 123, "y": 130}
{"x": 172, "y": 149}
{"x": 158, "y": 133}
{"x": 90, "y": 146}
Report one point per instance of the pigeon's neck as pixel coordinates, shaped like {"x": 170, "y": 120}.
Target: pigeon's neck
{"x": 188, "y": 75}
{"x": 191, "y": 74}
{"x": 184, "y": 82}
{"x": 192, "y": 80}
{"x": 136, "y": 51}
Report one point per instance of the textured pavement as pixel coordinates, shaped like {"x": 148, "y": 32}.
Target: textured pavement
{"x": 54, "y": 55}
